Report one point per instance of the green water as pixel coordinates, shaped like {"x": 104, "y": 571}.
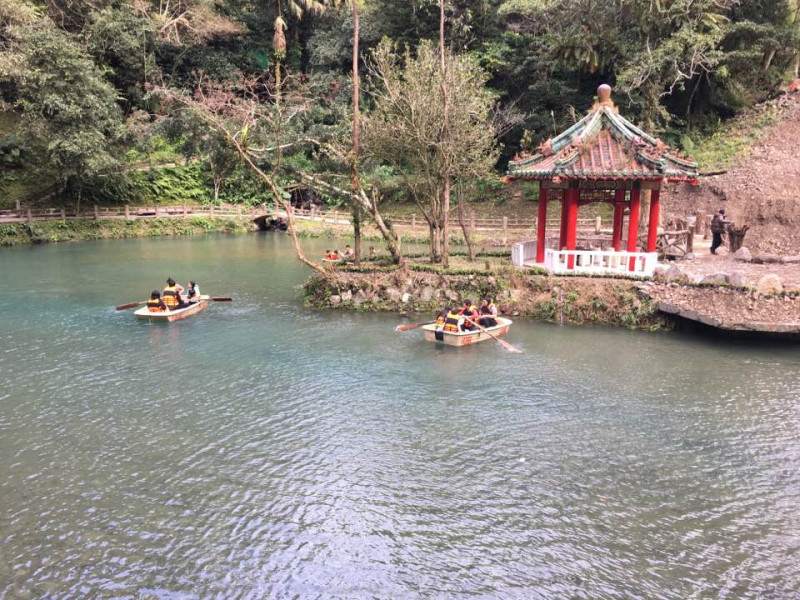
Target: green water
{"x": 260, "y": 449}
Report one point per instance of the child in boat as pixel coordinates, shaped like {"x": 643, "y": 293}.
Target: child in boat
{"x": 488, "y": 313}
{"x": 348, "y": 253}
{"x": 155, "y": 303}
{"x": 469, "y": 311}
{"x": 193, "y": 292}
{"x": 173, "y": 295}
{"x": 328, "y": 255}
{"x": 335, "y": 255}
{"x": 452, "y": 320}
{"x": 441, "y": 318}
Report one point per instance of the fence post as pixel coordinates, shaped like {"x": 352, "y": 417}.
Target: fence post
{"x": 505, "y": 223}
{"x": 30, "y": 216}
{"x": 472, "y": 221}
{"x": 239, "y": 211}
{"x": 699, "y": 221}
{"x": 335, "y": 217}
{"x": 127, "y": 212}
{"x": 598, "y": 224}
{"x": 96, "y": 212}
{"x": 311, "y": 212}
{"x": 413, "y": 221}
{"x": 63, "y": 214}
{"x": 690, "y": 240}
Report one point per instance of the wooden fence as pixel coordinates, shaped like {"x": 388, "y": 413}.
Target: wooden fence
{"x": 336, "y": 217}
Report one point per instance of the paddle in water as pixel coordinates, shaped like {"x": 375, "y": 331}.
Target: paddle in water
{"x": 411, "y": 326}
{"x": 130, "y": 305}
{"x": 503, "y": 343}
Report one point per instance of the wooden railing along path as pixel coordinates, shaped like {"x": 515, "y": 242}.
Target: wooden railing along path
{"x": 336, "y": 217}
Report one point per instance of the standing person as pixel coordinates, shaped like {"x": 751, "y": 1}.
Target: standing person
{"x": 172, "y": 295}
{"x": 193, "y": 292}
{"x": 488, "y": 313}
{"x": 718, "y": 225}
{"x": 469, "y": 311}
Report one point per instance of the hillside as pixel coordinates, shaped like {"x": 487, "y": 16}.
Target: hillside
{"x": 763, "y": 189}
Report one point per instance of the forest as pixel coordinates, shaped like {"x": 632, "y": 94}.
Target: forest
{"x": 246, "y": 100}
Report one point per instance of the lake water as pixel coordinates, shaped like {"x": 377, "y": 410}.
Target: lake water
{"x": 262, "y": 449}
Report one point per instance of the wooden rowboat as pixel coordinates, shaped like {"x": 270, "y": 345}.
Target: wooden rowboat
{"x": 173, "y": 315}
{"x": 466, "y": 338}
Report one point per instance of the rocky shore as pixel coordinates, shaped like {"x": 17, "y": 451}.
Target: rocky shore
{"x": 516, "y": 292}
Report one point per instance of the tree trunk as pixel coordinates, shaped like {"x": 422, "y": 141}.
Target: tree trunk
{"x": 446, "y": 223}
{"x": 356, "y": 143}
{"x": 217, "y": 184}
{"x": 736, "y": 237}
{"x": 445, "y": 250}
{"x": 356, "y": 213}
{"x": 464, "y": 229}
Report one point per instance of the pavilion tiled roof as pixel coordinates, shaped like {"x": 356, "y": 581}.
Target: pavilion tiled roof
{"x": 604, "y": 145}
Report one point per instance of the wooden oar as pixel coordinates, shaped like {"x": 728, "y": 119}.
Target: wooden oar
{"x": 221, "y": 299}
{"x": 412, "y": 326}
{"x": 503, "y": 343}
{"x": 130, "y": 305}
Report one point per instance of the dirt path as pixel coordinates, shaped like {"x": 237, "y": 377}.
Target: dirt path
{"x": 763, "y": 192}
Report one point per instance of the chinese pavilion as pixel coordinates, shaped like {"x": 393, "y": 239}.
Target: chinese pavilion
{"x": 601, "y": 158}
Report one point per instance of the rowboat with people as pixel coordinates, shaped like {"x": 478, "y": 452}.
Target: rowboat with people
{"x": 174, "y": 315}
{"x": 466, "y": 338}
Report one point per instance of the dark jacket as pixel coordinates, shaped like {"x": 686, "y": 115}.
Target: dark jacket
{"x": 718, "y": 223}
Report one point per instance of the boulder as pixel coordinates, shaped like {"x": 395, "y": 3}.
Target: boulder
{"x": 660, "y": 272}
{"x": 743, "y": 255}
{"x": 791, "y": 259}
{"x": 766, "y": 258}
{"x": 737, "y": 279}
{"x": 405, "y": 298}
{"x": 347, "y": 296}
{"x": 673, "y": 274}
{"x": 715, "y": 278}
{"x": 769, "y": 284}
{"x": 359, "y": 298}
{"x": 335, "y": 300}
{"x": 393, "y": 294}
{"x": 426, "y": 294}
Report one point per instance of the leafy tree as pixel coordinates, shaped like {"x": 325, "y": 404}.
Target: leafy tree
{"x": 407, "y": 128}
{"x": 69, "y": 114}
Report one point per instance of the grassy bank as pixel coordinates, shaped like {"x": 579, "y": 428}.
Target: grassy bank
{"x": 14, "y": 234}
{"x": 420, "y": 288}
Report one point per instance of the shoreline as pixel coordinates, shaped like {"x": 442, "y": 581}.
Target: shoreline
{"x": 46, "y": 232}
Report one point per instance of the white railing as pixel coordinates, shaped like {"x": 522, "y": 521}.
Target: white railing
{"x": 523, "y": 252}
{"x": 601, "y": 262}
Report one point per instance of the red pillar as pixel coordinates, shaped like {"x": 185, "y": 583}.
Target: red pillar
{"x": 619, "y": 216}
{"x": 541, "y": 223}
{"x": 633, "y": 226}
{"x": 572, "y": 223}
{"x": 562, "y": 236}
{"x": 652, "y": 230}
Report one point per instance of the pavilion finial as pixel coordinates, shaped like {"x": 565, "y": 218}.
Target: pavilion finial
{"x": 604, "y": 97}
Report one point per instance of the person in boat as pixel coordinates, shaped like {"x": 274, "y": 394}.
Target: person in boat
{"x": 328, "y": 255}
{"x": 193, "y": 292}
{"x": 155, "y": 303}
{"x": 336, "y": 255}
{"x": 469, "y": 311}
{"x": 441, "y": 318}
{"x": 452, "y": 320}
{"x": 488, "y": 313}
{"x": 348, "y": 252}
{"x": 172, "y": 295}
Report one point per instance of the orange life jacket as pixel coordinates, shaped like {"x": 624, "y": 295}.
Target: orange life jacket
{"x": 451, "y": 322}
{"x": 170, "y": 297}
{"x": 156, "y": 305}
